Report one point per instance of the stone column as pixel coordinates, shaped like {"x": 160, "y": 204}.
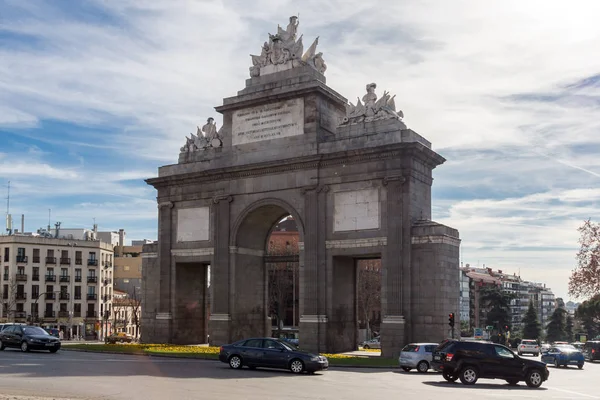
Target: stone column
{"x": 393, "y": 274}
{"x": 163, "y": 314}
{"x": 313, "y": 301}
{"x": 221, "y": 287}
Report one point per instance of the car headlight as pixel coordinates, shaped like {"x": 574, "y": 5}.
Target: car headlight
{"x": 35, "y": 341}
{"x": 315, "y": 358}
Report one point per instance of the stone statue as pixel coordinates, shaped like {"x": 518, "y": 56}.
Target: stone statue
{"x": 284, "y": 51}
{"x": 319, "y": 63}
{"x": 372, "y": 109}
{"x": 210, "y": 129}
{"x": 205, "y": 138}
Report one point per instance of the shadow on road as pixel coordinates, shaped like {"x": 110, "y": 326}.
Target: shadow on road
{"x": 40, "y": 364}
{"x": 481, "y": 386}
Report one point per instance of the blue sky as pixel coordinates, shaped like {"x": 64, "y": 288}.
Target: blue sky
{"x": 96, "y": 95}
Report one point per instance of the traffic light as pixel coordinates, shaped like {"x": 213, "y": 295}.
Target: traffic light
{"x": 451, "y": 319}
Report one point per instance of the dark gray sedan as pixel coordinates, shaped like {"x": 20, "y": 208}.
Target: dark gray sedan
{"x": 271, "y": 353}
{"x": 27, "y": 338}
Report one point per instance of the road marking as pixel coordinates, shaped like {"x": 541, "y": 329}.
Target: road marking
{"x": 573, "y": 392}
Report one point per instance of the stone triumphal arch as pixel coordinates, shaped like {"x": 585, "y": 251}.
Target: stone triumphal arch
{"x": 355, "y": 179}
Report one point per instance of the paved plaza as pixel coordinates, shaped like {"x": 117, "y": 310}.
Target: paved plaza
{"x": 77, "y": 375}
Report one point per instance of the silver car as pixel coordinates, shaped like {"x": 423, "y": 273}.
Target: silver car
{"x": 417, "y": 355}
{"x": 371, "y": 344}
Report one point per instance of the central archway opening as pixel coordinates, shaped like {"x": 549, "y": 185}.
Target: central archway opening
{"x": 282, "y": 260}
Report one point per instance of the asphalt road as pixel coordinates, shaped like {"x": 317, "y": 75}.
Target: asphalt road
{"x": 76, "y": 375}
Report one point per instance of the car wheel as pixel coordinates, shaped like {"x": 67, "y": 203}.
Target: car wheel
{"x": 469, "y": 375}
{"x": 53, "y": 350}
{"x": 534, "y": 378}
{"x": 296, "y": 366}
{"x": 366, "y": 347}
{"x": 235, "y": 362}
{"x": 580, "y": 366}
{"x": 24, "y": 347}
{"x": 512, "y": 382}
{"x": 407, "y": 369}
{"x": 423, "y": 366}
{"x": 1, "y": 345}
{"x": 556, "y": 364}
{"x": 449, "y": 377}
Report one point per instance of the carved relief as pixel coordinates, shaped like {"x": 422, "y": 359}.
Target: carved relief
{"x": 372, "y": 109}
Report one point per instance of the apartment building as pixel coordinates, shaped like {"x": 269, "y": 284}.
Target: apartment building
{"x": 128, "y": 270}
{"x": 57, "y": 283}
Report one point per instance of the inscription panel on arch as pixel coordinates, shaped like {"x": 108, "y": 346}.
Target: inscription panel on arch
{"x": 269, "y": 121}
{"x": 193, "y": 224}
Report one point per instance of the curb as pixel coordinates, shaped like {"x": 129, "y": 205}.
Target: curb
{"x": 216, "y": 359}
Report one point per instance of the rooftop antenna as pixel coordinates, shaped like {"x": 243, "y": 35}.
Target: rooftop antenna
{"x": 49, "y": 216}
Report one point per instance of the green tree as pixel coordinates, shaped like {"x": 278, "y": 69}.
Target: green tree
{"x": 555, "y": 330}
{"x": 569, "y": 328}
{"x": 532, "y": 329}
{"x": 497, "y": 304}
{"x": 588, "y": 313}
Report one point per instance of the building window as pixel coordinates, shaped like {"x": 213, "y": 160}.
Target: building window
{"x": 126, "y": 268}
{"x": 7, "y": 254}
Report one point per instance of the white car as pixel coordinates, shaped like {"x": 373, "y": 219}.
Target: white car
{"x": 529, "y": 346}
{"x": 417, "y": 355}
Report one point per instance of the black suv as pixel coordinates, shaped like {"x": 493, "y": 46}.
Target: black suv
{"x": 591, "y": 350}
{"x": 469, "y": 361}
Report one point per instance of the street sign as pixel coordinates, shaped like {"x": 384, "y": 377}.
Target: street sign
{"x": 489, "y": 328}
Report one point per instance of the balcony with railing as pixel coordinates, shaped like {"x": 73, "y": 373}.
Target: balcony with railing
{"x": 21, "y": 277}
{"x": 36, "y": 260}
{"x": 92, "y": 296}
{"x": 50, "y": 278}
{"x": 35, "y": 295}
{"x": 77, "y": 296}
{"x": 107, "y": 264}
{"x": 65, "y": 261}
{"x": 105, "y": 298}
{"x": 91, "y": 314}
{"x": 35, "y": 277}
{"x": 64, "y": 296}
{"x": 65, "y": 278}
{"x": 77, "y": 278}
{"x": 4, "y": 295}
{"x": 21, "y": 259}
{"x": 49, "y": 314}
{"x": 50, "y": 260}
{"x": 5, "y": 277}
{"x": 63, "y": 314}
{"x": 76, "y": 314}
{"x": 50, "y": 296}
{"x": 21, "y": 296}
{"x": 92, "y": 262}
{"x": 107, "y": 281}
{"x": 92, "y": 279}
{"x": 78, "y": 261}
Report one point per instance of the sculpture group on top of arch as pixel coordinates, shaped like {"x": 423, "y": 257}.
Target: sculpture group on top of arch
{"x": 284, "y": 49}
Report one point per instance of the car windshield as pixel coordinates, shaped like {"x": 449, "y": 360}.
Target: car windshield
{"x": 528, "y": 342}
{"x": 288, "y": 346}
{"x": 34, "y": 330}
{"x": 567, "y": 348}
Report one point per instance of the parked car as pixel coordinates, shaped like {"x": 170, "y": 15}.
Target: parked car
{"x": 591, "y": 350}
{"x": 564, "y": 355}
{"x": 469, "y": 361}
{"x": 578, "y": 345}
{"x": 120, "y": 337}
{"x": 545, "y": 347}
{"x": 528, "y": 346}
{"x": 271, "y": 353}
{"x": 27, "y": 338}
{"x": 374, "y": 343}
{"x": 417, "y": 355}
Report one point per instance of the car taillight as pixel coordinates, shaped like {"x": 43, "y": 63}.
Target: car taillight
{"x": 221, "y": 349}
{"x": 449, "y": 356}
{"x": 593, "y": 351}
{"x": 416, "y": 350}
{"x": 536, "y": 347}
